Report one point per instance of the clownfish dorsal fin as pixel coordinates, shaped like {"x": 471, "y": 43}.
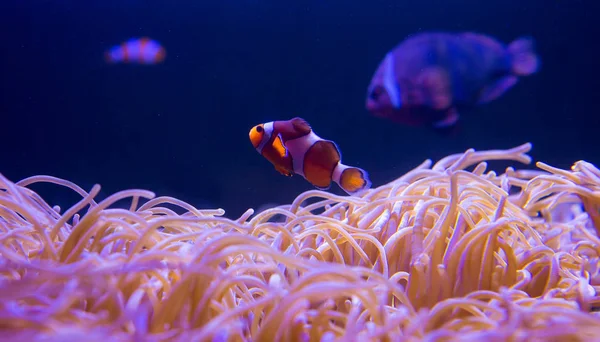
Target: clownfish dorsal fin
{"x": 300, "y": 125}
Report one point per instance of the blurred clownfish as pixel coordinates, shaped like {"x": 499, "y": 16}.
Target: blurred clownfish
{"x": 138, "y": 50}
{"x": 293, "y": 148}
{"x": 429, "y": 77}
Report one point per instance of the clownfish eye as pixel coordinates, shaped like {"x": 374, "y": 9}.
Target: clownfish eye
{"x": 259, "y": 129}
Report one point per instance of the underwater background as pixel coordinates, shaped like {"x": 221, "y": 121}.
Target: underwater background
{"x": 181, "y": 128}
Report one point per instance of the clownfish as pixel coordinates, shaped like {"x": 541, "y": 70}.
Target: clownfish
{"x": 430, "y": 77}
{"x": 138, "y": 50}
{"x": 293, "y": 148}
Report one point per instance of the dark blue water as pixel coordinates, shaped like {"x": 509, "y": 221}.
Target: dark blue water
{"x": 181, "y": 128}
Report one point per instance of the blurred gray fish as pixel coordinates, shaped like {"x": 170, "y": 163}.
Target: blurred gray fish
{"x": 429, "y": 77}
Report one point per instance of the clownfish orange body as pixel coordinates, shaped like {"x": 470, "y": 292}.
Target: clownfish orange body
{"x": 293, "y": 148}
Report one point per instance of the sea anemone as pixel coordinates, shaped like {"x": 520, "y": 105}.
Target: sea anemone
{"x": 439, "y": 254}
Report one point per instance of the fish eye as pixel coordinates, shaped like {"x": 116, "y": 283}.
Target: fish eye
{"x": 259, "y": 129}
{"x": 375, "y": 93}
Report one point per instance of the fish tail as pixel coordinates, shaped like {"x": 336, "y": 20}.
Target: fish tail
{"x": 524, "y": 60}
{"x": 353, "y": 180}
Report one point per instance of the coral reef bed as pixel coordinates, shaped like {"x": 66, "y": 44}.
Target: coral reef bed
{"x": 440, "y": 254}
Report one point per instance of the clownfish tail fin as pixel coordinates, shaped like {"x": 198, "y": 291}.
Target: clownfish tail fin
{"x": 351, "y": 179}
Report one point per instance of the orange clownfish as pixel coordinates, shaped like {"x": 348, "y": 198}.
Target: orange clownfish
{"x": 138, "y": 50}
{"x": 293, "y": 148}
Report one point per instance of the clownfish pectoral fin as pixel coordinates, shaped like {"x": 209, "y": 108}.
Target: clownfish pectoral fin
{"x": 283, "y": 171}
{"x": 280, "y": 147}
{"x": 353, "y": 180}
{"x": 301, "y": 126}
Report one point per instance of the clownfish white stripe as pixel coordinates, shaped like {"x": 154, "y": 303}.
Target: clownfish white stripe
{"x": 337, "y": 172}
{"x": 298, "y": 148}
{"x": 268, "y": 127}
